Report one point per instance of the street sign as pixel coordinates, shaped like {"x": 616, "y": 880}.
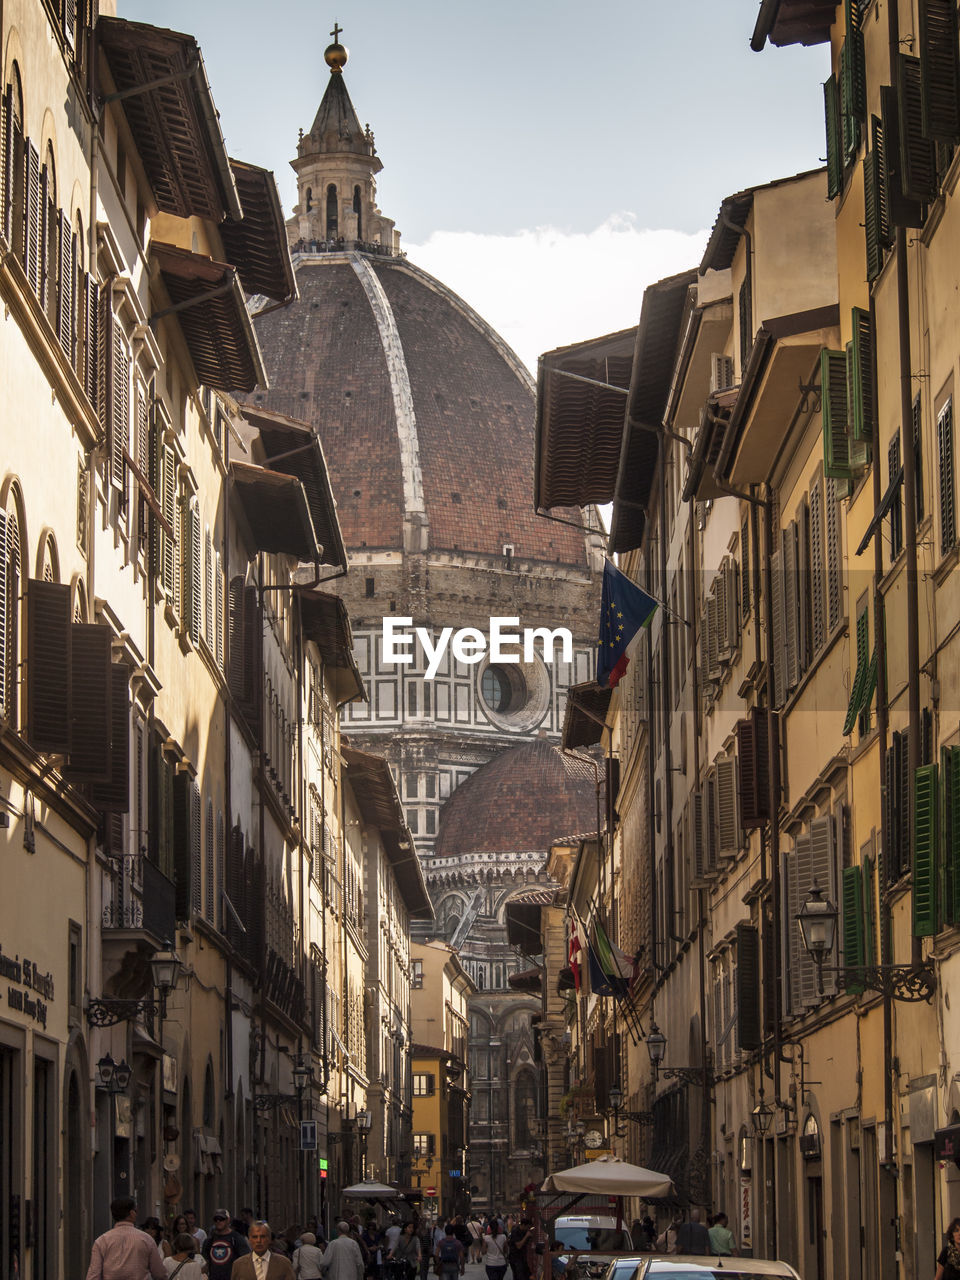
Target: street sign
{"x": 308, "y": 1135}
{"x": 431, "y": 1191}
{"x": 456, "y": 1173}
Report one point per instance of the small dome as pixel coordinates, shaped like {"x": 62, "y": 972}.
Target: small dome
{"x": 335, "y": 56}
{"x": 521, "y": 800}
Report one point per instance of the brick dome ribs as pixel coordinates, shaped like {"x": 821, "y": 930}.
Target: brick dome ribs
{"x": 523, "y": 799}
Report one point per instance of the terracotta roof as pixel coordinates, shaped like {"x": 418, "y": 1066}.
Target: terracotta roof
{"x": 492, "y": 811}
{"x": 472, "y": 404}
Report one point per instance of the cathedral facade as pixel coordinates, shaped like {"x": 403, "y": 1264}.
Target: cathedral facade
{"x": 426, "y": 418}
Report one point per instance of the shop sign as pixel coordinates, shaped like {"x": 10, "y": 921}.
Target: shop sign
{"x": 170, "y": 1073}
{"x": 746, "y": 1212}
{"x": 31, "y": 990}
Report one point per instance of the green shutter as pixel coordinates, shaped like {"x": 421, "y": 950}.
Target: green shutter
{"x": 852, "y": 93}
{"x": 836, "y": 443}
{"x": 869, "y": 912}
{"x": 901, "y": 211}
{"x": 858, "y": 450}
{"x": 831, "y": 111}
{"x": 851, "y": 897}
{"x": 939, "y": 70}
{"x": 872, "y": 208}
{"x": 853, "y": 14}
{"x": 950, "y": 833}
{"x": 917, "y": 153}
{"x": 925, "y": 851}
{"x": 858, "y": 689}
{"x": 863, "y": 403}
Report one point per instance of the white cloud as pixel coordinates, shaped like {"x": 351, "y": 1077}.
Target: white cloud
{"x": 547, "y": 287}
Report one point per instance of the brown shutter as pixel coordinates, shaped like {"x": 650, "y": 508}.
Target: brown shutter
{"x": 769, "y": 946}
{"x": 91, "y": 712}
{"x": 182, "y": 846}
{"x": 878, "y": 143}
{"x": 113, "y": 796}
{"x": 196, "y": 818}
{"x": 251, "y": 656}
{"x": 749, "y": 1028}
{"x": 235, "y": 639}
{"x": 218, "y": 612}
{"x": 817, "y": 576}
{"x": 106, "y": 352}
{"x": 775, "y": 644}
{"x": 753, "y": 746}
{"x": 70, "y": 20}
{"x": 120, "y": 415}
{"x": 31, "y": 227}
{"x": 48, "y": 684}
{"x": 4, "y": 616}
{"x": 901, "y": 211}
{"x": 66, "y": 302}
{"x": 91, "y": 341}
{"x": 728, "y": 827}
{"x": 791, "y": 602}
{"x": 834, "y": 556}
{"x": 7, "y": 152}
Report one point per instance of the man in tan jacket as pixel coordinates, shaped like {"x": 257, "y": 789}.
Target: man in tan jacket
{"x": 261, "y": 1264}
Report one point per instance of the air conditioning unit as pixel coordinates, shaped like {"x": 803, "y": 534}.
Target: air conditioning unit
{"x": 721, "y": 373}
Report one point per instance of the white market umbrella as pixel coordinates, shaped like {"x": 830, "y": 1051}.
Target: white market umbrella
{"x": 609, "y": 1176}
{"x": 371, "y": 1191}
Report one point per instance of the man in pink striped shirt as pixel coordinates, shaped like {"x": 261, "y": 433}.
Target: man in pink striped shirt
{"x": 125, "y": 1252}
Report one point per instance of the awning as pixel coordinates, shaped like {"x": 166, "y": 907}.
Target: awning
{"x": 612, "y": 1177}
{"x": 207, "y": 300}
{"x": 586, "y": 712}
{"x": 700, "y": 482}
{"x": 580, "y": 424}
{"x": 376, "y": 794}
{"x": 526, "y": 980}
{"x": 786, "y": 22}
{"x": 658, "y": 336}
{"x": 169, "y": 108}
{"x": 327, "y": 623}
{"x": 522, "y": 917}
{"x": 294, "y": 448}
{"x": 276, "y": 509}
{"x": 257, "y": 245}
{"x": 886, "y": 502}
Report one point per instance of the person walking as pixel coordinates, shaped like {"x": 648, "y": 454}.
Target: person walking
{"x": 722, "y": 1241}
{"x": 518, "y": 1241}
{"x": 405, "y": 1254}
{"x": 262, "y": 1262}
{"x": 476, "y": 1239}
{"x": 450, "y": 1255}
{"x": 494, "y": 1251}
{"x": 196, "y": 1231}
{"x": 223, "y": 1246}
{"x": 667, "y": 1240}
{"x": 693, "y": 1237}
{"x": 306, "y": 1260}
{"x": 125, "y": 1252}
{"x": 948, "y": 1260}
{"x": 185, "y": 1261}
{"x": 342, "y": 1258}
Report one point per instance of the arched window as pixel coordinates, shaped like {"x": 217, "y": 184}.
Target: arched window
{"x": 14, "y": 177}
{"x": 308, "y": 199}
{"x": 525, "y": 1095}
{"x": 333, "y": 221}
{"x": 51, "y": 282}
{"x": 357, "y": 209}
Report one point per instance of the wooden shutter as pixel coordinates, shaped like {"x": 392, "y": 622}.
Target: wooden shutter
{"x": 698, "y": 858}
{"x": 834, "y": 555}
{"x": 32, "y": 219}
{"x": 877, "y": 146}
{"x": 948, "y": 515}
{"x": 859, "y": 686}
{"x": 106, "y": 355}
{"x": 168, "y": 502}
{"x": 753, "y": 762}
{"x": 918, "y": 157}
{"x": 901, "y": 211}
{"x": 196, "y": 852}
{"x": 723, "y": 646}
{"x": 869, "y": 908}
{"x": 182, "y": 844}
{"x": 70, "y": 21}
{"x": 873, "y": 202}
{"x": 709, "y": 815}
{"x": 798, "y": 991}
{"x": 823, "y": 870}
{"x": 805, "y": 643}
{"x": 769, "y": 945}
{"x": 950, "y": 832}
{"x": 851, "y": 915}
{"x": 863, "y": 401}
{"x": 208, "y": 590}
{"x": 167, "y": 832}
{"x": 729, "y": 586}
{"x": 120, "y": 411}
{"x": 66, "y": 300}
{"x": 7, "y": 152}
{"x": 817, "y": 568}
{"x": 218, "y": 610}
{"x": 49, "y": 670}
{"x": 209, "y": 864}
{"x": 235, "y": 639}
{"x": 746, "y": 582}
{"x": 713, "y": 634}
{"x": 791, "y": 636}
{"x": 113, "y": 796}
{"x": 728, "y": 826}
{"x": 91, "y": 702}
{"x": 194, "y": 574}
{"x": 833, "y": 383}
{"x": 918, "y": 454}
{"x": 777, "y": 653}
{"x": 748, "y": 988}
{"x": 896, "y": 509}
{"x": 251, "y": 656}
{"x": 925, "y": 851}
{"x": 705, "y": 649}
{"x": 831, "y": 111}
{"x": 852, "y": 93}
{"x": 4, "y": 613}
{"x": 939, "y": 70}
{"x": 91, "y": 355}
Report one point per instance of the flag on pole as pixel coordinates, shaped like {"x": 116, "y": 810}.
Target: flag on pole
{"x": 616, "y": 964}
{"x": 624, "y": 609}
{"x": 576, "y": 953}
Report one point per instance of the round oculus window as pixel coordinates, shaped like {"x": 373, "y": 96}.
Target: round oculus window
{"x": 514, "y": 695}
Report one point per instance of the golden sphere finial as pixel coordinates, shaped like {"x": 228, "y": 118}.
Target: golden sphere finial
{"x": 335, "y": 55}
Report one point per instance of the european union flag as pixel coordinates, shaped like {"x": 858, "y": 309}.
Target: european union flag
{"x": 624, "y": 609}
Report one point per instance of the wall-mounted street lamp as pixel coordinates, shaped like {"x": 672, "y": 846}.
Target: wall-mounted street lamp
{"x": 762, "y": 1117}
{"x": 817, "y": 919}
{"x": 616, "y": 1106}
{"x": 113, "y": 1077}
{"x": 165, "y": 969}
{"x": 657, "y": 1049}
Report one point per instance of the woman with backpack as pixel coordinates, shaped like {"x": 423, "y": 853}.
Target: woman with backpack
{"x": 450, "y": 1255}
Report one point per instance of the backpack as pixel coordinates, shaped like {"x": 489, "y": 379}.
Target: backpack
{"x": 449, "y": 1253}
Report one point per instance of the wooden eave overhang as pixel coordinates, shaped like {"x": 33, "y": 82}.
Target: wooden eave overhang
{"x": 579, "y": 425}
{"x": 658, "y": 337}
{"x": 162, "y": 86}
{"x": 585, "y": 715}
{"x": 326, "y": 622}
{"x": 207, "y": 300}
{"x": 257, "y": 245}
{"x": 294, "y": 448}
{"x": 785, "y": 22}
{"x": 376, "y": 794}
{"x": 276, "y": 510}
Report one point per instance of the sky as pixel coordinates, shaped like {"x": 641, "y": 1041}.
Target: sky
{"x": 546, "y": 160}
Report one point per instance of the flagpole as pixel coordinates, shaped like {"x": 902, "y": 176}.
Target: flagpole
{"x": 662, "y": 603}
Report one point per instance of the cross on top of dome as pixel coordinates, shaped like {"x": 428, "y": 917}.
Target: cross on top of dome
{"x": 335, "y": 55}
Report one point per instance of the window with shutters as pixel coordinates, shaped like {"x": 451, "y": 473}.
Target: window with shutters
{"x": 896, "y": 510}
{"x": 748, "y": 988}
{"x": 852, "y": 86}
{"x": 813, "y": 859}
{"x": 50, "y": 222}
{"x": 950, "y": 834}
{"x": 948, "y": 514}
{"x": 925, "y": 842}
{"x": 746, "y": 594}
{"x": 937, "y": 47}
{"x": 208, "y": 589}
{"x": 918, "y": 457}
{"x": 831, "y": 111}
{"x": 727, "y": 819}
{"x": 119, "y": 411}
{"x": 218, "y": 606}
{"x": 918, "y": 156}
{"x": 209, "y": 865}
{"x": 16, "y": 161}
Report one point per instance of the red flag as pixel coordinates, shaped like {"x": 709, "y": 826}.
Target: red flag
{"x": 576, "y": 951}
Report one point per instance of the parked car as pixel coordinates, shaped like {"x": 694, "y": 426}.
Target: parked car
{"x": 594, "y": 1241}
{"x": 681, "y": 1266}
{"x": 623, "y": 1268}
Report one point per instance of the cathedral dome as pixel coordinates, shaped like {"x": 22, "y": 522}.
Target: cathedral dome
{"x": 521, "y": 800}
{"x": 425, "y": 414}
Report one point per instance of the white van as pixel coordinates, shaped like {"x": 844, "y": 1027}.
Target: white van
{"x": 592, "y": 1239}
